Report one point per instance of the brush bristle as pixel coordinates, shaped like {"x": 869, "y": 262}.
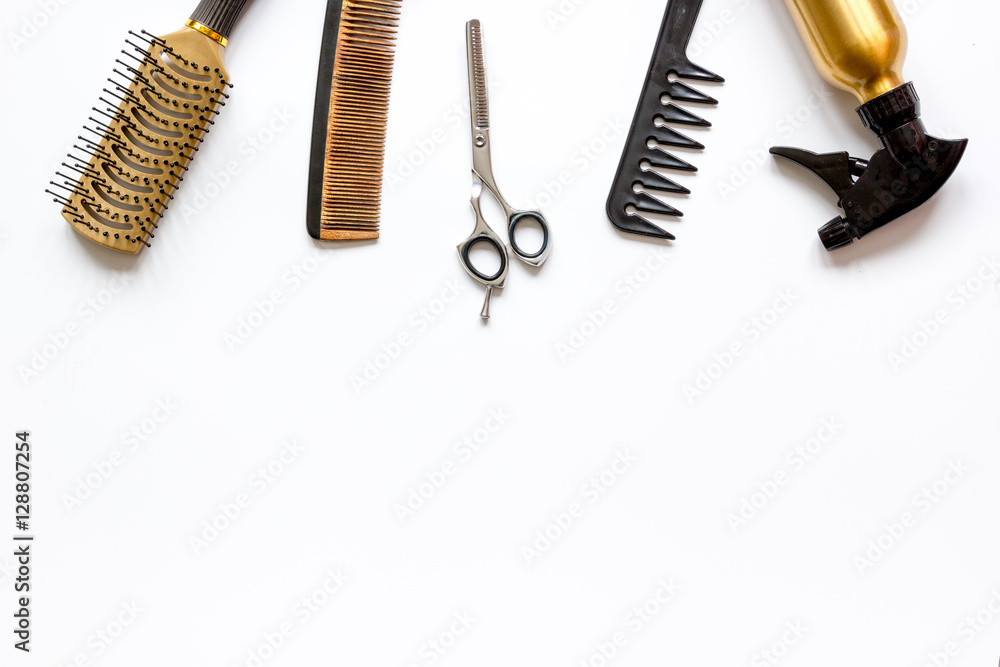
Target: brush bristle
{"x": 356, "y": 125}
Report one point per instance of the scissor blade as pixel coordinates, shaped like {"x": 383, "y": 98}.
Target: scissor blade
{"x": 478, "y": 92}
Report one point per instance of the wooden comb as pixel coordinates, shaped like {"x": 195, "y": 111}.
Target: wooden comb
{"x": 349, "y": 124}
{"x": 163, "y": 97}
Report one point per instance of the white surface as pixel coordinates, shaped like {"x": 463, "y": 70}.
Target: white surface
{"x": 163, "y": 338}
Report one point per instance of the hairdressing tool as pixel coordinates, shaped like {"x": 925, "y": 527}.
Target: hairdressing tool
{"x": 655, "y": 110}
{"x": 859, "y": 46}
{"x": 482, "y": 176}
{"x": 349, "y": 124}
{"x": 157, "y": 112}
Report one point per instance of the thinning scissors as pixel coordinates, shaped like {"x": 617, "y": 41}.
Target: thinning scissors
{"x": 482, "y": 175}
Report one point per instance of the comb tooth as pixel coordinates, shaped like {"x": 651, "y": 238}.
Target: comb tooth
{"x": 649, "y": 204}
{"x": 675, "y": 114}
{"x": 636, "y": 224}
{"x": 664, "y": 160}
{"x": 654, "y": 180}
{"x": 671, "y": 137}
{"x": 685, "y": 93}
{"x": 689, "y": 70}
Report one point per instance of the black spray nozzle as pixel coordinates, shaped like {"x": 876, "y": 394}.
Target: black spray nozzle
{"x": 909, "y": 168}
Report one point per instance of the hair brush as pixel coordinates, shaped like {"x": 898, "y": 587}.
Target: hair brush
{"x": 164, "y": 96}
{"x": 349, "y": 124}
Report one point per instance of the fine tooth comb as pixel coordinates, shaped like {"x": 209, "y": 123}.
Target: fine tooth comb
{"x": 163, "y": 97}
{"x": 349, "y": 124}
{"x": 649, "y": 125}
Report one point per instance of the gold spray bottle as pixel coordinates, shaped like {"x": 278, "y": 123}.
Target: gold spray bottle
{"x": 859, "y": 46}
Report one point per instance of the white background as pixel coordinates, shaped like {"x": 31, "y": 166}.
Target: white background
{"x": 558, "y": 87}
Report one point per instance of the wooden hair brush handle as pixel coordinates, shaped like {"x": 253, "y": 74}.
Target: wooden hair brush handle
{"x": 219, "y": 16}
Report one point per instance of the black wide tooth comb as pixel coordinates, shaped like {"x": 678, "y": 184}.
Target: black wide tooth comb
{"x": 650, "y": 126}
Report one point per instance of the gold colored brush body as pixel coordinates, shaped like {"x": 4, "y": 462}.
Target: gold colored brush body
{"x": 857, "y": 45}
{"x": 152, "y": 119}
{"x": 356, "y": 124}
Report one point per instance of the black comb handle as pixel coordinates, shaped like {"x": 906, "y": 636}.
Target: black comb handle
{"x": 219, "y": 15}
{"x": 649, "y": 124}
